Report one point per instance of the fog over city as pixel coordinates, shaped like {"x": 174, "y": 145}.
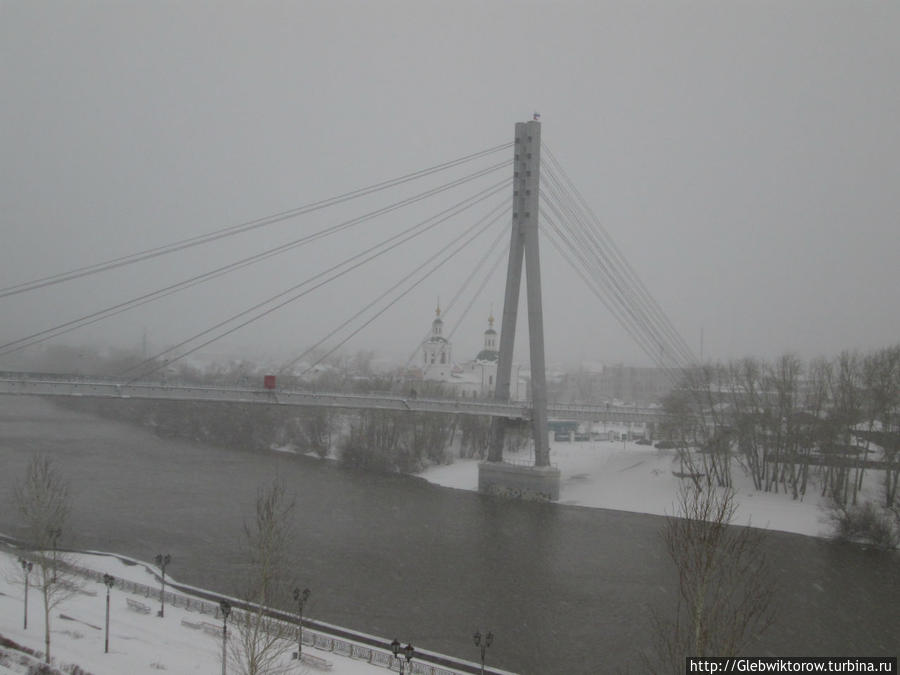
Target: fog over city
{"x": 259, "y": 405}
{"x": 744, "y": 156}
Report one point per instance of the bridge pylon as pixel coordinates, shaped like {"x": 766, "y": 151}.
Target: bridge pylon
{"x": 542, "y": 479}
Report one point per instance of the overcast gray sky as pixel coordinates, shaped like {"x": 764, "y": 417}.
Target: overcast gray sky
{"x": 744, "y": 155}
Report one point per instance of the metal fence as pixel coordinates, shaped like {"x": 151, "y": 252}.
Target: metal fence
{"x": 311, "y": 637}
{"x": 325, "y": 638}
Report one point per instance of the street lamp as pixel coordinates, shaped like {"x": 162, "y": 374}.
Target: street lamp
{"x": 406, "y": 651}
{"x": 108, "y": 581}
{"x": 484, "y": 642}
{"x": 225, "y": 606}
{"x": 26, "y": 570}
{"x": 161, "y": 562}
{"x": 300, "y": 597}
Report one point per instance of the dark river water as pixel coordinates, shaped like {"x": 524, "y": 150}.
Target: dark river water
{"x": 564, "y": 589}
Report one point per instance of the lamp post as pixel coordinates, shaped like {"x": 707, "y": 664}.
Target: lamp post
{"x": 225, "y": 606}
{"x": 108, "y": 581}
{"x": 26, "y": 570}
{"x": 300, "y": 597}
{"x": 161, "y": 562}
{"x": 406, "y": 651}
{"x": 484, "y": 642}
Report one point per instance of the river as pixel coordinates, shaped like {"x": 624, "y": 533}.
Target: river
{"x": 564, "y": 589}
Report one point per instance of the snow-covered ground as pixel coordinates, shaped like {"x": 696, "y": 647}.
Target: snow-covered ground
{"x": 639, "y": 478}
{"x": 138, "y": 642}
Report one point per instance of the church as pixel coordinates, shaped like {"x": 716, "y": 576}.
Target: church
{"x": 475, "y": 378}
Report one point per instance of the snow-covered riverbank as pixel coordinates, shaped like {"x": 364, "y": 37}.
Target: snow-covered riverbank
{"x": 639, "y": 478}
{"x": 140, "y": 642}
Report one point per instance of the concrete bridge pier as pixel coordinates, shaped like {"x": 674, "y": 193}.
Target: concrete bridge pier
{"x": 538, "y": 483}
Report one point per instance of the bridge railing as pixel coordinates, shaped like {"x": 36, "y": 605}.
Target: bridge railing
{"x": 64, "y": 385}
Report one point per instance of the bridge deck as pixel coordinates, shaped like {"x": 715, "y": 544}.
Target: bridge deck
{"x": 53, "y": 385}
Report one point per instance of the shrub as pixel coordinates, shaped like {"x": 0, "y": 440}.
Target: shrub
{"x": 866, "y": 524}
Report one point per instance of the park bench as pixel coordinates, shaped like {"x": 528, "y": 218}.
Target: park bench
{"x": 136, "y": 606}
{"x": 315, "y": 661}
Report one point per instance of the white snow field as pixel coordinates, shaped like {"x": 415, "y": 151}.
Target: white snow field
{"x": 140, "y": 642}
{"x": 639, "y": 478}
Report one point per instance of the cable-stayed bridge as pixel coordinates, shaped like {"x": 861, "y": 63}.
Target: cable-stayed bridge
{"x": 43, "y": 384}
{"x": 540, "y": 192}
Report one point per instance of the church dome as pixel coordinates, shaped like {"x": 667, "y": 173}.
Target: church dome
{"x": 488, "y": 355}
{"x": 437, "y": 326}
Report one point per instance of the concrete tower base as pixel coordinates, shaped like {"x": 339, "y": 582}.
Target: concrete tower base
{"x": 539, "y": 483}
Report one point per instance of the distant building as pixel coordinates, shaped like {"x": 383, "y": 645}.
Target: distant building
{"x": 634, "y": 384}
{"x": 597, "y": 383}
{"x": 436, "y": 352}
{"x": 471, "y": 379}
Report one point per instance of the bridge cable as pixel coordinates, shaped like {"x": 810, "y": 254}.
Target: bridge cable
{"x": 624, "y": 288}
{"x": 622, "y": 311}
{"x": 119, "y": 308}
{"x": 599, "y": 285}
{"x": 575, "y": 253}
{"x": 493, "y": 215}
{"x": 407, "y": 235}
{"x": 459, "y": 292}
{"x": 616, "y": 287}
{"x": 627, "y": 270}
{"x": 587, "y": 215}
{"x": 658, "y": 331}
{"x": 487, "y": 277}
{"x": 402, "y": 295}
{"x": 620, "y": 291}
{"x": 239, "y": 228}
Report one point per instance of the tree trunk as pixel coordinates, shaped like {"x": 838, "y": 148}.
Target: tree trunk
{"x": 46, "y": 594}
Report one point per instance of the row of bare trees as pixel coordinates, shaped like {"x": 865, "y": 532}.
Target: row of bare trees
{"x": 384, "y": 440}
{"x": 787, "y": 421}
{"x": 369, "y": 439}
{"x": 256, "y": 427}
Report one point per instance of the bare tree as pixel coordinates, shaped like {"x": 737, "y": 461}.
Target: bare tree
{"x": 697, "y": 426}
{"x": 846, "y": 412}
{"x": 259, "y": 642}
{"x": 374, "y": 442}
{"x": 870, "y": 392}
{"x": 42, "y": 501}
{"x": 317, "y": 426}
{"x": 881, "y": 377}
{"x": 430, "y": 435}
{"x": 813, "y": 429}
{"x": 747, "y": 398}
{"x": 725, "y": 588}
{"x": 475, "y": 436}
